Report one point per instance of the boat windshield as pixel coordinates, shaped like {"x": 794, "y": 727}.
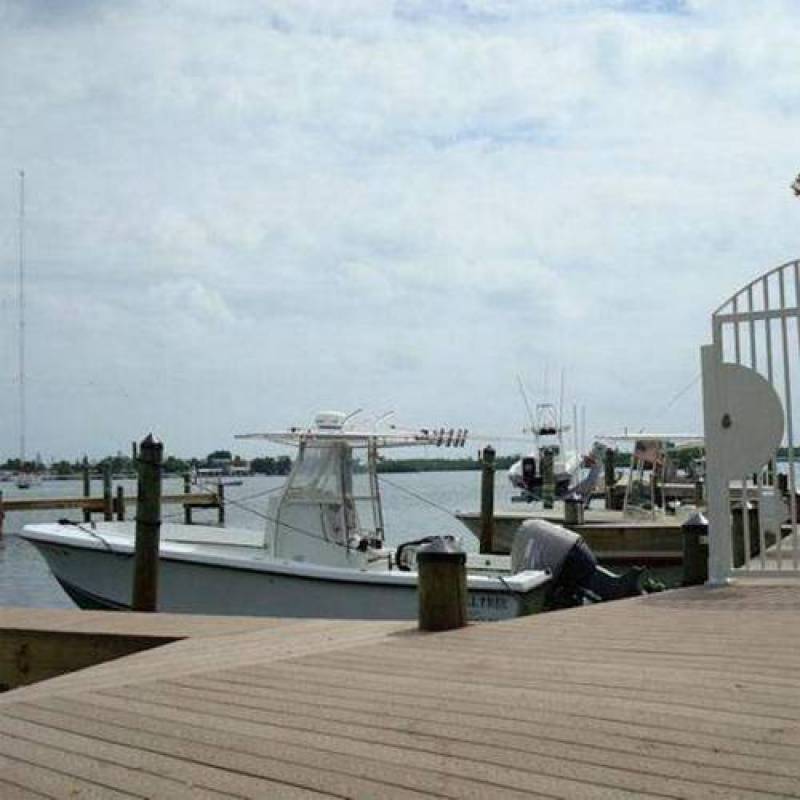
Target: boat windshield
{"x": 322, "y": 478}
{"x": 323, "y": 471}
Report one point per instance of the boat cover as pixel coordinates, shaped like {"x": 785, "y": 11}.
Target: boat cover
{"x": 541, "y": 545}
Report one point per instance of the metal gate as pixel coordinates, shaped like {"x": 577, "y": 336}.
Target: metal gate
{"x": 751, "y": 375}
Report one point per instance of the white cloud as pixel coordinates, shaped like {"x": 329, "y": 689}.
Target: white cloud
{"x": 263, "y": 207}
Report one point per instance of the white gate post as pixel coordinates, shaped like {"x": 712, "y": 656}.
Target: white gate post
{"x": 720, "y": 554}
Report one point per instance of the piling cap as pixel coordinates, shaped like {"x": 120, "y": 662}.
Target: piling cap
{"x": 573, "y": 497}
{"x": 442, "y": 549}
{"x": 150, "y": 448}
{"x": 696, "y": 520}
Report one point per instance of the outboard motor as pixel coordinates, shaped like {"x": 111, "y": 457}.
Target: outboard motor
{"x": 539, "y": 544}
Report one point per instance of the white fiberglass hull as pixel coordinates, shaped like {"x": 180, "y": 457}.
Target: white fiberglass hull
{"x": 199, "y": 577}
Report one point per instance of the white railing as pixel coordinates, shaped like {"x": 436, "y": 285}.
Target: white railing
{"x": 750, "y": 377}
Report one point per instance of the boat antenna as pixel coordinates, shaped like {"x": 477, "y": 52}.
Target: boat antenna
{"x": 584, "y": 443}
{"x": 575, "y": 431}
{"x": 21, "y": 297}
{"x": 351, "y": 415}
{"x": 383, "y": 417}
{"x": 525, "y": 400}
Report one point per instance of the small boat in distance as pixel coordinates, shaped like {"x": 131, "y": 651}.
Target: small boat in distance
{"x": 321, "y": 553}
{"x": 551, "y": 467}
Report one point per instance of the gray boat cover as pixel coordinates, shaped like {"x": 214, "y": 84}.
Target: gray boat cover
{"x": 539, "y": 544}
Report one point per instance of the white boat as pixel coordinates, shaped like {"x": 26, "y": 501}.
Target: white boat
{"x": 550, "y": 468}
{"x": 24, "y": 480}
{"x": 321, "y": 554}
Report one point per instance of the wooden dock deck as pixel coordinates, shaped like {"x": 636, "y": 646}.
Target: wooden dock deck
{"x": 693, "y": 693}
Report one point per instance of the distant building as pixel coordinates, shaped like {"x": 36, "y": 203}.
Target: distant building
{"x": 224, "y": 467}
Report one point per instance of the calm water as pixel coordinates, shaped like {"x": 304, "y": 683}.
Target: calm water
{"x": 26, "y": 581}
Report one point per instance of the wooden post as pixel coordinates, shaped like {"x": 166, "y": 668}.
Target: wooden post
{"x": 609, "y": 463}
{"x": 187, "y": 509}
{"x": 573, "y": 511}
{"x": 698, "y": 492}
{"x": 442, "y": 587}
{"x": 221, "y": 502}
{"x": 695, "y": 550}
{"x": 740, "y": 552}
{"x": 134, "y": 452}
{"x": 148, "y": 525}
{"x": 487, "y": 500}
{"x": 548, "y": 478}
{"x": 610, "y": 475}
{"x": 87, "y": 488}
{"x": 108, "y": 503}
{"x": 120, "y": 503}
{"x": 2, "y": 514}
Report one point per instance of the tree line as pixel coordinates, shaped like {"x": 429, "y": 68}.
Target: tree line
{"x": 120, "y": 464}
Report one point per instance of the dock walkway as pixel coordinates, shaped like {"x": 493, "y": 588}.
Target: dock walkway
{"x": 689, "y": 694}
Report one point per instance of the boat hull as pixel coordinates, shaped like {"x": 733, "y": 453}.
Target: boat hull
{"x": 101, "y": 578}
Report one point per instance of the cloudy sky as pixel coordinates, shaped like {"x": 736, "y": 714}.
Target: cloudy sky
{"x": 240, "y": 213}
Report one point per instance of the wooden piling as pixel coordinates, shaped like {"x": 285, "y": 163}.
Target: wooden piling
{"x": 487, "y": 499}
{"x": 221, "y": 501}
{"x": 442, "y": 588}
{"x": 108, "y": 503}
{"x": 740, "y": 552}
{"x": 610, "y": 475}
{"x": 548, "y": 478}
{"x": 148, "y": 525}
{"x": 2, "y": 514}
{"x": 695, "y": 550}
{"x": 87, "y": 488}
{"x": 609, "y": 463}
{"x": 699, "y": 495}
{"x": 120, "y": 503}
{"x": 187, "y": 509}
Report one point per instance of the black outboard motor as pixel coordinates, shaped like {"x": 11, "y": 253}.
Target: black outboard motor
{"x": 539, "y": 544}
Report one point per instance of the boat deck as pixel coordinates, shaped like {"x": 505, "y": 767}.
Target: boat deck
{"x": 693, "y": 693}
{"x": 613, "y": 537}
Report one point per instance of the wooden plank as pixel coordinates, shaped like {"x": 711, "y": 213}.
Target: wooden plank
{"x": 98, "y": 503}
{"x": 153, "y": 739}
{"x": 294, "y": 638}
{"x": 508, "y": 749}
{"x": 39, "y": 747}
{"x": 692, "y": 693}
{"x": 185, "y": 778}
{"x": 560, "y": 772}
{"x": 467, "y": 723}
{"x": 177, "y": 626}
